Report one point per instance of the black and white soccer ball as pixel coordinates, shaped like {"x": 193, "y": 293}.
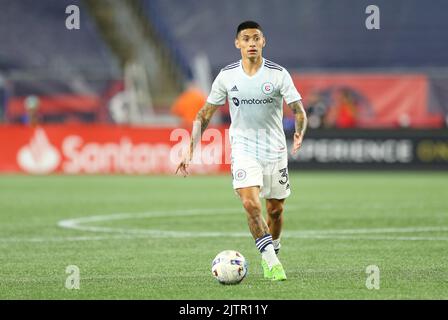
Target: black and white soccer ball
{"x": 229, "y": 267}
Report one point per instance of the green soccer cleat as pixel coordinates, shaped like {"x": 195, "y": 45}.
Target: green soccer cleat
{"x": 266, "y": 272}
{"x": 278, "y": 273}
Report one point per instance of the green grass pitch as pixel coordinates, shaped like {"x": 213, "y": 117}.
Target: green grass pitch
{"x": 170, "y": 229}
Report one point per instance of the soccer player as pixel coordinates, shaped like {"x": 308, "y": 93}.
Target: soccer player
{"x": 255, "y": 88}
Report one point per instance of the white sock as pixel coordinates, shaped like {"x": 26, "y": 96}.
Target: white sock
{"x": 269, "y": 256}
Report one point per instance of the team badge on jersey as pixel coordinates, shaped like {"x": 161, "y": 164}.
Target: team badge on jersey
{"x": 267, "y": 88}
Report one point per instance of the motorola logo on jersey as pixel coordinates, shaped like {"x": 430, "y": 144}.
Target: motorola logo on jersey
{"x": 237, "y": 102}
{"x": 257, "y": 101}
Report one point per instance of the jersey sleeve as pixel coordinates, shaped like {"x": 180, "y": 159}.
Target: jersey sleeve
{"x": 218, "y": 93}
{"x": 288, "y": 90}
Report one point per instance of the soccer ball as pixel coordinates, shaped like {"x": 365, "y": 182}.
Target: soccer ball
{"x": 229, "y": 267}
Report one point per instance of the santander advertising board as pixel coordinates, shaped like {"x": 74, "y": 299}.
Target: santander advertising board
{"x": 100, "y": 150}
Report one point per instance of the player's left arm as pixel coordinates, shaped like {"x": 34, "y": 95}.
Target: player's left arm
{"x": 300, "y": 123}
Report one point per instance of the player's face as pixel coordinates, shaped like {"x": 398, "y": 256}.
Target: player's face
{"x": 251, "y": 43}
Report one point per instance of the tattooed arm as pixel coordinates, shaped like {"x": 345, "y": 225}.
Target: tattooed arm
{"x": 199, "y": 125}
{"x": 300, "y": 123}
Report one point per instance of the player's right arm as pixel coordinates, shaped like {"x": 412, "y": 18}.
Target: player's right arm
{"x": 199, "y": 125}
{"x": 217, "y": 97}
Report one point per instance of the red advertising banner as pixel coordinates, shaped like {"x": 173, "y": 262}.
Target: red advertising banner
{"x": 102, "y": 149}
{"x": 367, "y": 100}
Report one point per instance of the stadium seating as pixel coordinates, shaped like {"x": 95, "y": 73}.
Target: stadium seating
{"x": 41, "y": 57}
{"x": 311, "y": 34}
{"x": 34, "y": 37}
{"x": 317, "y": 35}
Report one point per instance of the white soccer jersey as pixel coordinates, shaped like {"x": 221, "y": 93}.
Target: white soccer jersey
{"x": 256, "y": 108}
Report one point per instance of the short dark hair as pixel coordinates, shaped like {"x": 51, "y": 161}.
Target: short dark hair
{"x": 247, "y": 25}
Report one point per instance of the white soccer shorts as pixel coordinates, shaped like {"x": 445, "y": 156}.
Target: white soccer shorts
{"x": 271, "y": 177}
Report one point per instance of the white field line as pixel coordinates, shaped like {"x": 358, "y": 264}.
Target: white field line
{"x": 33, "y": 279}
{"x": 78, "y": 224}
{"x": 246, "y": 234}
{"x": 69, "y": 239}
{"x": 129, "y": 233}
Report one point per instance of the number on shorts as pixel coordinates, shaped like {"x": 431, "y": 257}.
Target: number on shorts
{"x": 284, "y": 175}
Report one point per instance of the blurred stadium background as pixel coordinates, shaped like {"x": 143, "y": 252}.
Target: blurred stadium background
{"x": 375, "y": 98}
{"x": 104, "y": 99}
